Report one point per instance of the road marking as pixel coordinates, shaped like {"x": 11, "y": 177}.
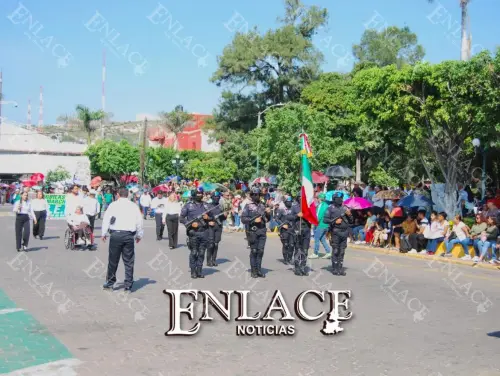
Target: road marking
{"x": 10, "y": 310}
{"x": 63, "y": 367}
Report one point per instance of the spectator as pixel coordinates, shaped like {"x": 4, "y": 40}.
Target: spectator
{"x": 397, "y": 217}
{"x": 383, "y": 229}
{"x": 488, "y": 241}
{"x": 418, "y": 240}
{"x": 476, "y": 230}
{"x": 356, "y": 190}
{"x": 377, "y": 202}
{"x": 321, "y": 230}
{"x": 437, "y": 231}
{"x": 409, "y": 227}
{"x": 461, "y": 236}
{"x": 236, "y": 211}
{"x": 145, "y": 203}
{"x": 492, "y": 211}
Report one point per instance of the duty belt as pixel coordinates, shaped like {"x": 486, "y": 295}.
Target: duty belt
{"x": 122, "y": 232}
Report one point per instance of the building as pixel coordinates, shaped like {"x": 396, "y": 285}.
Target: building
{"x": 25, "y": 151}
{"x": 193, "y": 137}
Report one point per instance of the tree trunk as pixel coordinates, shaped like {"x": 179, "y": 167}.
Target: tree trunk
{"x": 89, "y": 138}
{"x": 465, "y": 40}
{"x": 358, "y": 166}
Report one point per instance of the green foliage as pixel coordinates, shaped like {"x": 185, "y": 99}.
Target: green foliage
{"x": 86, "y": 119}
{"x": 175, "y": 121}
{"x": 379, "y": 176}
{"x": 57, "y": 175}
{"x": 241, "y": 148}
{"x": 390, "y": 46}
{"x": 214, "y": 170}
{"x": 159, "y": 164}
{"x": 113, "y": 159}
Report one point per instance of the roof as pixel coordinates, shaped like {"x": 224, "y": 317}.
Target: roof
{"x": 18, "y": 164}
{"x": 166, "y": 139}
{"x": 14, "y": 138}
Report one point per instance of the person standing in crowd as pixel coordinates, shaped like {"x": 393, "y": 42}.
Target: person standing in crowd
{"x": 15, "y": 196}
{"x": 302, "y": 240}
{"x": 91, "y": 207}
{"x": 215, "y": 229}
{"x": 24, "y": 211}
{"x": 357, "y": 191}
{"x": 255, "y": 215}
{"x": 171, "y": 218}
{"x": 286, "y": 220}
{"x": 79, "y": 222}
{"x": 108, "y": 199}
{"x": 100, "y": 200}
{"x": 73, "y": 199}
{"x": 321, "y": 230}
{"x": 339, "y": 218}
{"x": 123, "y": 221}
{"x": 194, "y": 215}
{"x": 158, "y": 205}
{"x": 40, "y": 209}
{"x": 145, "y": 202}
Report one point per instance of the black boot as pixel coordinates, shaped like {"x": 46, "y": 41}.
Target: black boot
{"x": 259, "y": 268}
{"x": 214, "y": 255}
{"x": 253, "y": 272}
{"x": 199, "y": 273}
{"x": 335, "y": 268}
{"x": 194, "y": 275}
{"x": 209, "y": 257}
{"x": 341, "y": 270}
{"x": 304, "y": 271}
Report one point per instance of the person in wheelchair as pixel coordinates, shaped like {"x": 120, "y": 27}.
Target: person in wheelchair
{"x": 79, "y": 223}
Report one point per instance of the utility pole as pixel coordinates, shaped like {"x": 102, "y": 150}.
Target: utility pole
{"x": 143, "y": 151}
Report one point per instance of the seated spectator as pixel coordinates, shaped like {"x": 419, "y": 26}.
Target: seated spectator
{"x": 461, "y": 236}
{"x": 383, "y": 230}
{"x": 488, "y": 241}
{"x": 368, "y": 228}
{"x": 409, "y": 227}
{"x": 436, "y": 232}
{"x": 476, "y": 230}
{"x": 418, "y": 240}
{"x": 359, "y": 225}
{"x": 78, "y": 222}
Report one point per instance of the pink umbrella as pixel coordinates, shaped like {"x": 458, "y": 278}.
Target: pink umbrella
{"x": 261, "y": 180}
{"x": 357, "y": 203}
{"x": 319, "y": 177}
{"x": 160, "y": 188}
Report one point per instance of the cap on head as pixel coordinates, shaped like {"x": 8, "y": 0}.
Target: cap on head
{"x": 289, "y": 199}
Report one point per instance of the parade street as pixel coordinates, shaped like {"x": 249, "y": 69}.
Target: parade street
{"x": 410, "y": 317}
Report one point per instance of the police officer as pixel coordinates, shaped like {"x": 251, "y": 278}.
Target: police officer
{"x": 286, "y": 220}
{"x": 302, "y": 239}
{"x": 339, "y": 218}
{"x": 123, "y": 222}
{"x": 256, "y": 215}
{"x": 215, "y": 229}
{"x": 195, "y": 216}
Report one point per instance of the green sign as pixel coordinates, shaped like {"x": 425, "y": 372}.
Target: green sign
{"x": 57, "y": 205}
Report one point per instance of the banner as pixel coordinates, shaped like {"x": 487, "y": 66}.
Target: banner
{"x": 57, "y": 206}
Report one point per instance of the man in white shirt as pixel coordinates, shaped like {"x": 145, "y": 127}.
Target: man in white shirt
{"x": 73, "y": 199}
{"x": 159, "y": 204}
{"x": 123, "y": 221}
{"x": 91, "y": 207}
{"x": 78, "y": 222}
{"x": 417, "y": 241}
{"x": 145, "y": 202}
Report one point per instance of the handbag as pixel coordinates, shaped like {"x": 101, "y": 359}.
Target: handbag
{"x": 452, "y": 236}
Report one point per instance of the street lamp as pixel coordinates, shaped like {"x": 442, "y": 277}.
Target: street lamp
{"x": 177, "y": 162}
{"x": 477, "y": 145}
{"x": 259, "y": 124}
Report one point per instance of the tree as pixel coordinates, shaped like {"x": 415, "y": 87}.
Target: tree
{"x": 57, "y": 175}
{"x": 390, "y": 46}
{"x": 441, "y": 107}
{"x": 240, "y": 147}
{"x": 175, "y": 121}
{"x": 269, "y": 68}
{"x": 214, "y": 170}
{"x": 86, "y": 119}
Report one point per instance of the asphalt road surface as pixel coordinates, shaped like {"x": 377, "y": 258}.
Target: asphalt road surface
{"x": 410, "y": 317}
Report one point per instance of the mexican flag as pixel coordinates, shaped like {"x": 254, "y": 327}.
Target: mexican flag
{"x": 308, "y": 205}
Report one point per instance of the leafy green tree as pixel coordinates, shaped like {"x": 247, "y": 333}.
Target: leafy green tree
{"x": 57, "y": 175}
{"x": 175, "y": 121}
{"x": 113, "y": 159}
{"x": 379, "y": 176}
{"x": 214, "y": 170}
{"x": 85, "y": 118}
{"x": 390, "y": 46}
{"x": 241, "y": 148}
{"x": 159, "y": 164}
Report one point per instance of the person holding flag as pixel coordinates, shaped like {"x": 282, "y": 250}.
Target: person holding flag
{"x": 306, "y": 208}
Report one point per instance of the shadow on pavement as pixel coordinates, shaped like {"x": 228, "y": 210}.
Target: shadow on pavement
{"x": 35, "y": 249}
{"x": 51, "y": 237}
{"x": 209, "y": 271}
{"x": 138, "y": 284}
{"x": 494, "y": 334}
{"x": 222, "y": 261}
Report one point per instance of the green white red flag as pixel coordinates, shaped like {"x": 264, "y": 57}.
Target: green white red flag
{"x": 308, "y": 206}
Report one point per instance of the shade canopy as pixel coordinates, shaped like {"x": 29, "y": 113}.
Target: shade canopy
{"x": 319, "y": 178}
{"x": 339, "y": 172}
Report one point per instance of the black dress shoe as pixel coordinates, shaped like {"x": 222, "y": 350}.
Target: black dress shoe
{"x": 107, "y": 287}
{"x": 194, "y": 275}
{"x": 199, "y": 273}
{"x": 41, "y": 237}
{"x": 297, "y": 272}
{"x": 19, "y": 250}
{"x": 304, "y": 272}
{"x": 128, "y": 290}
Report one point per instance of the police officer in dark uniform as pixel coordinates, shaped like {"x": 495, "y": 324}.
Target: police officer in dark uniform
{"x": 256, "y": 215}
{"x": 286, "y": 220}
{"x": 340, "y": 219}
{"x": 302, "y": 239}
{"x": 215, "y": 230}
{"x": 196, "y": 219}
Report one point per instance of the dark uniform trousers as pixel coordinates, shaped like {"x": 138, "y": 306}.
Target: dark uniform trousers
{"x": 302, "y": 243}
{"x": 39, "y": 228}
{"x": 214, "y": 238}
{"x": 121, "y": 243}
{"x": 287, "y": 238}
{"x": 22, "y": 230}
{"x": 339, "y": 244}
{"x": 257, "y": 242}
{"x": 172, "y": 221}
{"x": 198, "y": 240}
{"x": 160, "y": 227}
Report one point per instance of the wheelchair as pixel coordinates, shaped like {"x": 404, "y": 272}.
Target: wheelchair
{"x": 70, "y": 238}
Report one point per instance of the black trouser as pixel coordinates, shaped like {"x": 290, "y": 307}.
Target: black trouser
{"x": 214, "y": 238}
{"x": 417, "y": 241}
{"x": 197, "y": 247}
{"x": 22, "y": 230}
{"x": 339, "y": 244}
{"x": 160, "y": 227}
{"x": 92, "y": 221}
{"x": 39, "y": 228}
{"x": 287, "y": 238}
{"x": 302, "y": 243}
{"x": 172, "y": 221}
{"x": 257, "y": 242}
{"x": 121, "y": 244}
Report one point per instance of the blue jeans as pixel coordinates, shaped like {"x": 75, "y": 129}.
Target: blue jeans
{"x": 449, "y": 245}
{"x": 483, "y": 248}
{"x": 320, "y": 236}
{"x": 144, "y": 210}
{"x": 236, "y": 219}
{"x": 358, "y": 233}
{"x": 432, "y": 244}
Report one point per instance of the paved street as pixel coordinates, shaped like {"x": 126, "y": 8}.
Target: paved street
{"x": 410, "y": 317}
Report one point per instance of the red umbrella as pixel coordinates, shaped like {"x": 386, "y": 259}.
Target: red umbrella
{"x": 95, "y": 182}
{"x": 129, "y": 179}
{"x": 37, "y": 177}
{"x": 29, "y": 183}
{"x": 160, "y": 188}
{"x": 319, "y": 177}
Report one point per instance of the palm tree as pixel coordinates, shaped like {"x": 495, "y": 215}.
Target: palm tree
{"x": 175, "y": 122}
{"x": 88, "y": 120}
{"x": 465, "y": 43}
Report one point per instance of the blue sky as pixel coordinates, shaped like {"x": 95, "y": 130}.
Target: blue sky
{"x": 147, "y": 72}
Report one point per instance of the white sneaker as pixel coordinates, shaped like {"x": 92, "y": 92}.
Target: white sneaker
{"x": 313, "y": 256}
{"x": 413, "y": 251}
{"x": 348, "y": 240}
{"x": 80, "y": 242}
{"x": 492, "y": 262}
{"x": 475, "y": 259}
{"x": 466, "y": 258}
{"x": 363, "y": 242}
{"x": 357, "y": 242}
{"x": 423, "y": 253}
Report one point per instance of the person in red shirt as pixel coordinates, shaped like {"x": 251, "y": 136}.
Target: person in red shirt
{"x": 397, "y": 217}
